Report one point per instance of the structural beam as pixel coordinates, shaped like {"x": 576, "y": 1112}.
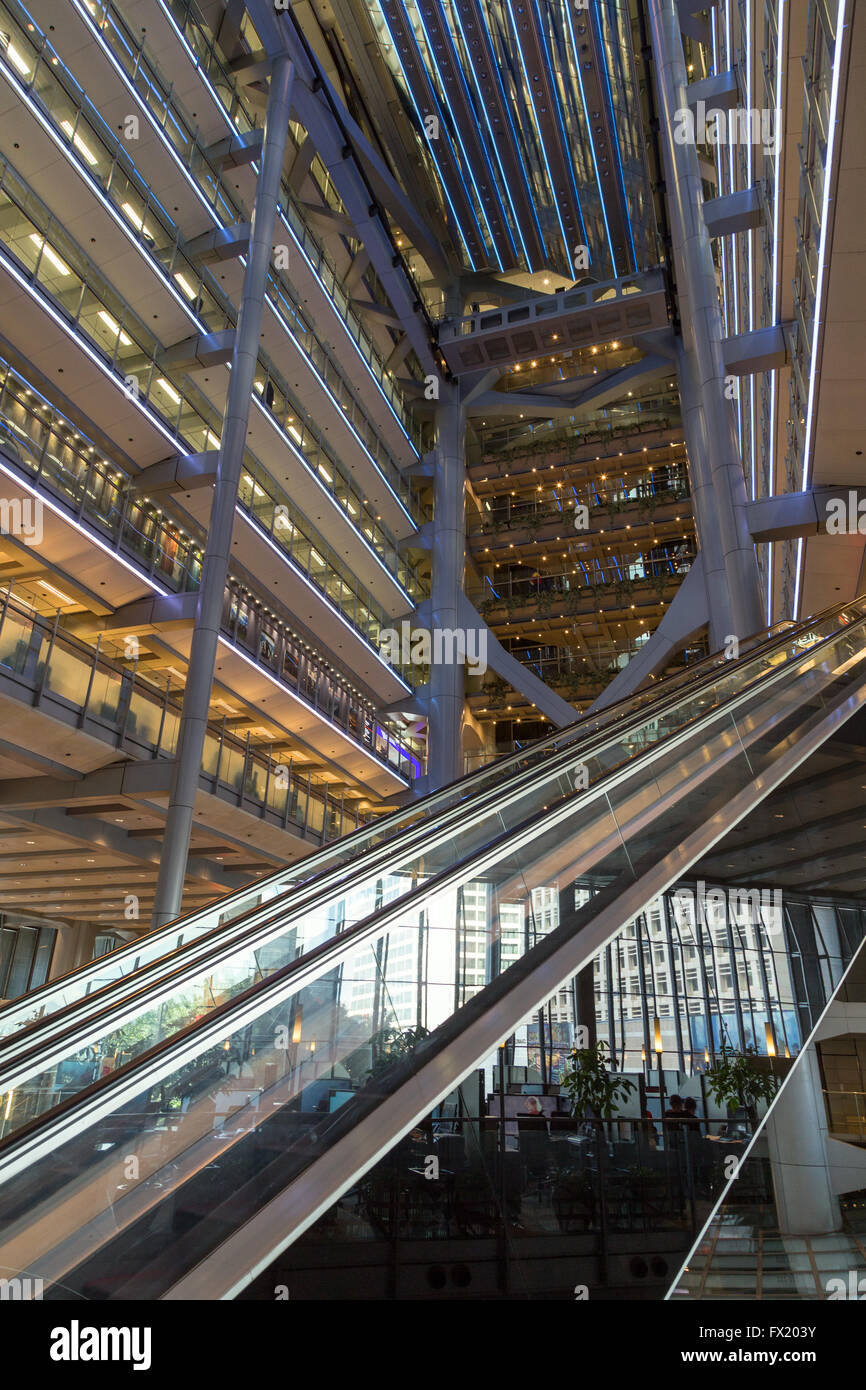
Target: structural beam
{"x": 546, "y": 701}
{"x": 445, "y": 714}
{"x": 221, "y": 243}
{"x": 208, "y": 621}
{"x": 701, "y": 317}
{"x": 686, "y": 616}
{"x": 734, "y": 212}
{"x": 202, "y": 350}
{"x": 762, "y": 350}
{"x": 181, "y": 473}
{"x": 235, "y": 150}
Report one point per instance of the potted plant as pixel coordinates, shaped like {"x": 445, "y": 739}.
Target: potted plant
{"x": 391, "y": 1044}
{"x": 735, "y": 1081}
{"x": 590, "y": 1086}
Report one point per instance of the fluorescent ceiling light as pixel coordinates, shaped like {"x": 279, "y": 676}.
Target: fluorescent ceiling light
{"x": 168, "y": 389}
{"x": 17, "y": 59}
{"x": 137, "y": 219}
{"x": 50, "y": 255}
{"x": 68, "y": 128}
{"x": 58, "y": 593}
{"x": 115, "y": 328}
{"x": 185, "y": 285}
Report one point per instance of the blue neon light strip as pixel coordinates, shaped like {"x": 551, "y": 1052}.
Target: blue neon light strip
{"x": 493, "y": 145}
{"x": 591, "y": 141}
{"x": 551, "y": 181}
{"x": 569, "y": 167}
{"x": 455, "y": 126}
{"x": 609, "y": 95}
{"x": 442, "y": 180}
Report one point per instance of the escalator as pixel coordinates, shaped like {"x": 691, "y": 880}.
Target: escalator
{"x": 74, "y": 1030}
{"x": 182, "y": 1173}
{"x": 327, "y": 867}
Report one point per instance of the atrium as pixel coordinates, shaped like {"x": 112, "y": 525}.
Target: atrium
{"x": 477, "y": 384}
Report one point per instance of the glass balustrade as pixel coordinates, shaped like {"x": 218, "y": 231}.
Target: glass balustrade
{"x": 219, "y": 1113}
{"x": 113, "y": 31}
{"x": 50, "y": 449}
{"x": 98, "y": 149}
{"x": 185, "y": 411}
{"x": 48, "y": 660}
{"x": 273, "y": 937}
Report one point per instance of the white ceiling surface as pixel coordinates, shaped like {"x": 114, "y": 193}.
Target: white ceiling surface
{"x": 833, "y": 563}
{"x": 102, "y": 582}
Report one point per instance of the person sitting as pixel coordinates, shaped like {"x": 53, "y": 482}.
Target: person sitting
{"x": 675, "y": 1109}
{"x": 690, "y": 1115}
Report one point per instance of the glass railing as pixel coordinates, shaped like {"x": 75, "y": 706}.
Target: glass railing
{"x": 49, "y": 449}
{"x": 254, "y": 905}
{"x": 112, "y": 1027}
{"x": 99, "y": 152}
{"x": 545, "y": 589}
{"x": 498, "y": 511}
{"x": 39, "y": 656}
{"x": 513, "y": 443}
{"x": 113, "y": 31}
{"x": 376, "y": 1009}
{"x": 93, "y": 309}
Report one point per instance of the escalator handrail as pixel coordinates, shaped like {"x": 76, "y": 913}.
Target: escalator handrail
{"x": 206, "y": 953}
{"x": 126, "y": 1080}
{"x": 499, "y": 768}
{"x": 313, "y": 888}
{"x": 399, "y": 1101}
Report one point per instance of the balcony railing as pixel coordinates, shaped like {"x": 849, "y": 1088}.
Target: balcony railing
{"x": 51, "y": 451}
{"x": 91, "y": 308}
{"x": 655, "y": 567}
{"x": 119, "y": 332}
{"x": 126, "y": 48}
{"x": 670, "y": 485}
{"x": 95, "y": 146}
{"x": 121, "y": 706}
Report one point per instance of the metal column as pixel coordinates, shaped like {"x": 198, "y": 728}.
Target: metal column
{"x": 720, "y": 618}
{"x": 702, "y": 332}
{"x": 445, "y": 716}
{"x": 205, "y": 638}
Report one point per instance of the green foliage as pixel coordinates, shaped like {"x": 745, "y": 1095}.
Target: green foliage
{"x": 589, "y": 1085}
{"x": 390, "y": 1044}
{"x": 735, "y": 1081}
